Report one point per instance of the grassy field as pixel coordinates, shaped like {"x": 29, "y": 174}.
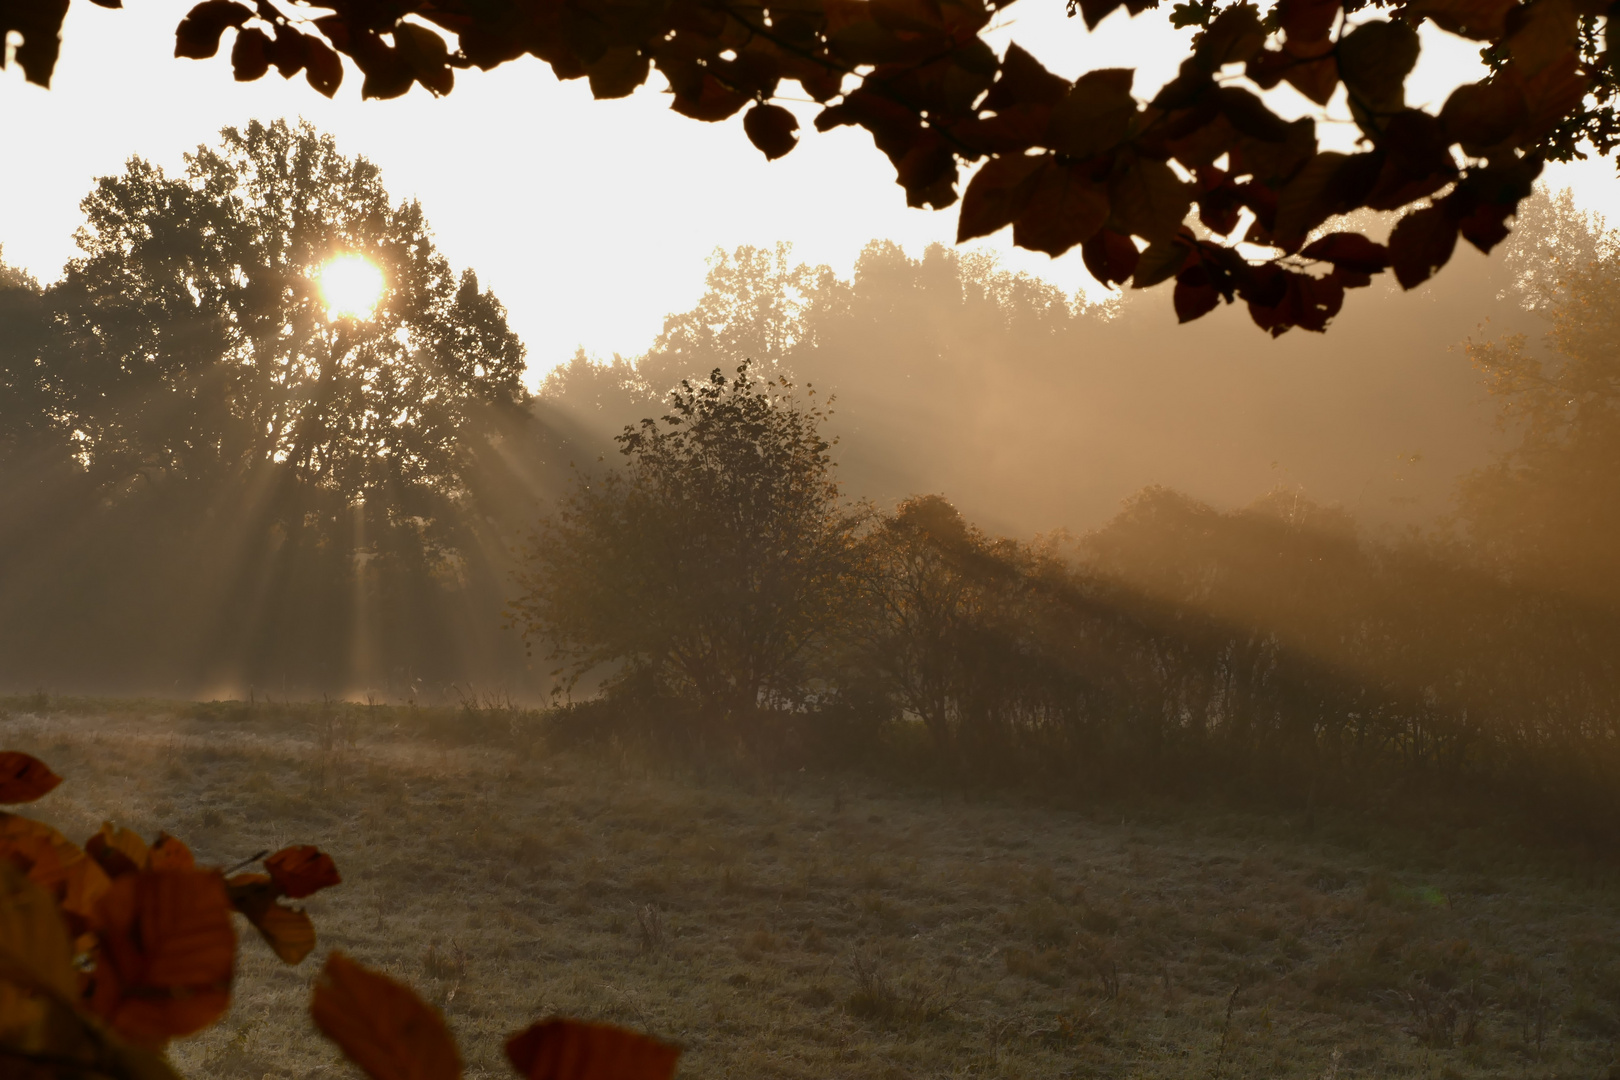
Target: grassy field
{"x": 821, "y": 926}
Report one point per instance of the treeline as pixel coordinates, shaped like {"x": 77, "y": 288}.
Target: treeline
{"x": 723, "y": 587}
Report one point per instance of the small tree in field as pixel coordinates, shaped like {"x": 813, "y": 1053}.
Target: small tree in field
{"x": 714, "y": 564}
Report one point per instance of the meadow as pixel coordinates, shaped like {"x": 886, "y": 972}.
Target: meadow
{"x": 790, "y": 923}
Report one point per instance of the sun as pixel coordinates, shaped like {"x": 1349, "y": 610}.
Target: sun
{"x": 351, "y": 286}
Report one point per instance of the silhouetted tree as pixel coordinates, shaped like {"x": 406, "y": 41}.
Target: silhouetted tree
{"x": 714, "y": 564}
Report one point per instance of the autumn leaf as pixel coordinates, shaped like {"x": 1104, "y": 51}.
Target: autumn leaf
{"x": 288, "y": 931}
{"x": 381, "y": 1025}
{"x": 35, "y": 951}
{"x": 1420, "y": 244}
{"x": 577, "y": 1050}
{"x": 771, "y": 128}
{"x": 24, "y": 778}
{"x": 56, "y": 864}
{"x": 198, "y": 34}
{"x": 996, "y": 195}
{"x": 119, "y": 850}
{"x": 166, "y": 954}
{"x": 301, "y": 870}
{"x": 170, "y": 853}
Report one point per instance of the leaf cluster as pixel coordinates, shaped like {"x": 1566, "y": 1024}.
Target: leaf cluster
{"x": 111, "y": 950}
{"x": 1066, "y": 164}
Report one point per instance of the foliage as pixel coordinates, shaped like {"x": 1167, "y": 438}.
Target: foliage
{"x": 110, "y": 951}
{"x": 713, "y": 564}
{"x": 1081, "y": 164}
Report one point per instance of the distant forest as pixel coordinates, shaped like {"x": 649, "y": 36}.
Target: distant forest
{"x": 1066, "y": 538}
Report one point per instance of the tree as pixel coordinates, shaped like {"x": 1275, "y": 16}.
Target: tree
{"x": 254, "y": 454}
{"x": 713, "y": 565}
{"x": 1081, "y": 164}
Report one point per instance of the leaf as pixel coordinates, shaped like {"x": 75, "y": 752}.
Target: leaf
{"x": 1540, "y": 34}
{"x": 167, "y": 954}
{"x": 288, "y": 931}
{"x": 617, "y": 72}
{"x": 301, "y": 870}
{"x": 1420, "y": 244}
{"x": 35, "y": 950}
{"x": 1161, "y": 260}
{"x": 119, "y": 850}
{"x": 381, "y": 1025}
{"x": 1064, "y": 208}
{"x": 1235, "y": 37}
{"x": 1149, "y": 198}
{"x": 427, "y": 55}
{"x": 1481, "y": 20}
{"x": 24, "y": 778}
{"x": 1306, "y": 22}
{"x": 170, "y": 853}
{"x": 1351, "y": 251}
{"x": 996, "y": 195}
{"x": 1484, "y": 116}
{"x": 199, "y": 32}
{"x": 1110, "y": 256}
{"x": 250, "y": 56}
{"x": 577, "y": 1050}
{"x": 1095, "y": 115}
{"x": 771, "y": 128}
{"x": 54, "y": 863}
{"x": 1195, "y": 294}
{"x": 1024, "y": 80}
{"x": 323, "y": 67}
{"x": 287, "y": 52}
{"x": 1310, "y": 198}
{"x": 1374, "y": 60}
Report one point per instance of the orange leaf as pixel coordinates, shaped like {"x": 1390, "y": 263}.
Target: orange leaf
{"x": 381, "y": 1025}
{"x": 288, "y": 931}
{"x": 167, "y": 954}
{"x": 119, "y": 850}
{"x": 301, "y": 870}
{"x": 56, "y": 864}
{"x": 170, "y": 853}
{"x": 576, "y": 1050}
{"x": 24, "y": 778}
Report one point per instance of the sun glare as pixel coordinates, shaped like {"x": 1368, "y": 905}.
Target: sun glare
{"x": 351, "y": 286}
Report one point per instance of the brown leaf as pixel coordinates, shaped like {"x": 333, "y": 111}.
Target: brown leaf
{"x": 166, "y": 954}
{"x": 1235, "y": 37}
{"x": 119, "y": 850}
{"x": 323, "y": 67}
{"x": 1095, "y": 115}
{"x": 381, "y": 1025}
{"x": 1195, "y": 294}
{"x": 24, "y": 778}
{"x": 996, "y": 195}
{"x": 250, "y": 56}
{"x": 1351, "y": 251}
{"x": 1484, "y": 116}
{"x": 287, "y": 52}
{"x": 1161, "y": 260}
{"x": 199, "y": 32}
{"x": 1064, "y": 208}
{"x": 1110, "y": 256}
{"x": 1307, "y": 21}
{"x": 288, "y": 931}
{"x": 617, "y": 72}
{"x": 427, "y": 56}
{"x": 1540, "y": 34}
{"x": 1374, "y": 60}
{"x": 301, "y": 870}
{"x": 1148, "y": 197}
{"x": 771, "y": 128}
{"x": 1420, "y": 244}
{"x": 576, "y": 1050}
{"x": 1481, "y": 20}
{"x": 1024, "y": 80}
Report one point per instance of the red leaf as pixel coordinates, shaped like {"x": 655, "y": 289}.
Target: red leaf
{"x": 575, "y": 1050}
{"x": 771, "y": 128}
{"x": 381, "y": 1025}
{"x": 166, "y": 954}
{"x": 24, "y": 778}
{"x": 1195, "y": 294}
{"x": 198, "y": 34}
{"x": 302, "y": 870}
{"x": 1064, "y": 209}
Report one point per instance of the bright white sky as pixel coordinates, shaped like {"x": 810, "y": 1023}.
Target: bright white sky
{"x": 591, "y": 220}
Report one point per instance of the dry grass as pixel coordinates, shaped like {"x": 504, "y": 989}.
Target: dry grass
{"x": 800, "y": 926}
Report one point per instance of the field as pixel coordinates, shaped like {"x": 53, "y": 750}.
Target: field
{"x": 798, "y": 925}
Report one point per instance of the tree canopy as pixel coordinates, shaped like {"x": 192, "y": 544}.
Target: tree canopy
{"x": 1067, "y": 164}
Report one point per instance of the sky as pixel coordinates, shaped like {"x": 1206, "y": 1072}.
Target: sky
{"x": 591, "y": 220}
